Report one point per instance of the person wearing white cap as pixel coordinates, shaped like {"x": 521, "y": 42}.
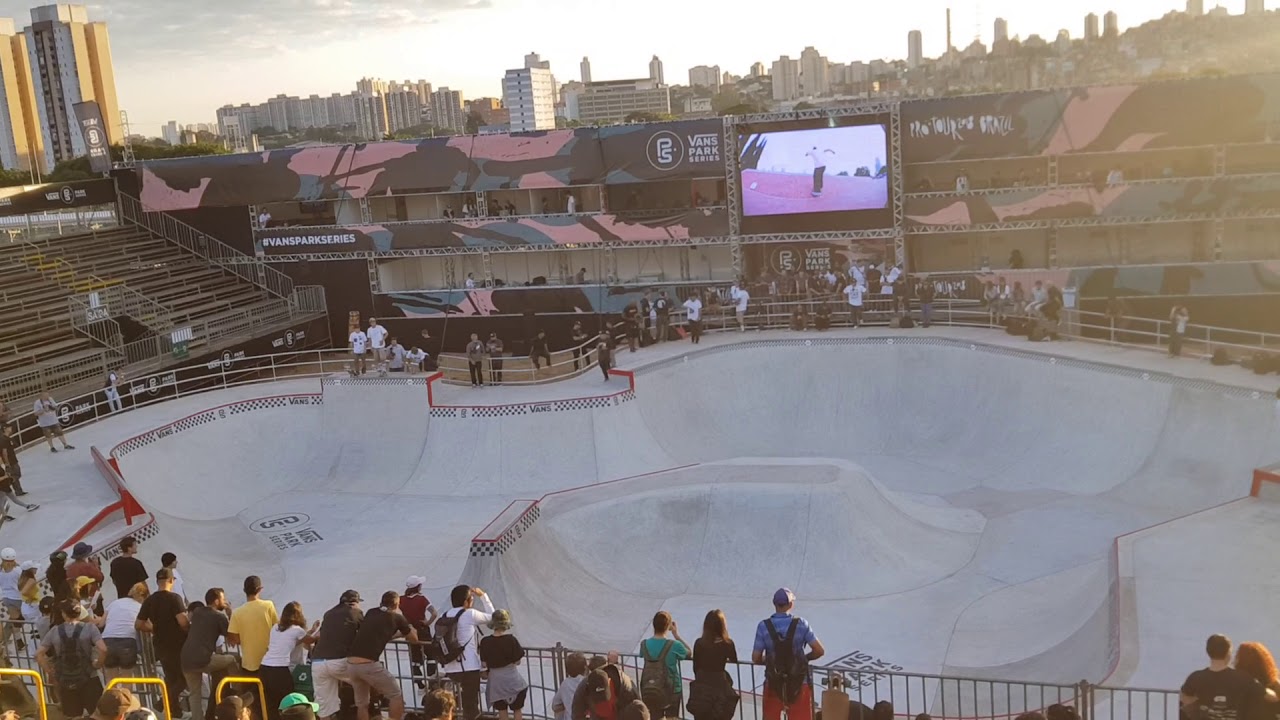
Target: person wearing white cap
{"x": 421, "y": 614}
{"x": 780, "y": 645}
{"x": 10, "y": 595}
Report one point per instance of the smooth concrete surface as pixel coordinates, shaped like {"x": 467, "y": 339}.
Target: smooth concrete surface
{"x": 948, "y": 508}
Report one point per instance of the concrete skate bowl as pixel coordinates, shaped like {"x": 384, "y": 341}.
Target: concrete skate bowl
{"x": 1045, "y": 460}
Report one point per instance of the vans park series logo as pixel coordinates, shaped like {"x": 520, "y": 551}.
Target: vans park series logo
{"x": 667, "y": 150}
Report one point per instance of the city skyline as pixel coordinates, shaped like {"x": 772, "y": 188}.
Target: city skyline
{"x": 246, "y": 53}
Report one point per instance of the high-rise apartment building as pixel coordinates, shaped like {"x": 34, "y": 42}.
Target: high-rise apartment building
{"x": 585, "y": 67}
{"x": 371, "y": 116}
{"x": 1001, "y": 34}
{"x": 915, "y": 49}
{"x": 69, "y": 59}
{"x": 815, "y": 78}
{"x": 529, "y": 94}
{"x": 371, "y": 86}
{"x": 171, "y": 133}
{"x": 1110, "y": 25}
{"x": 490, "y": 111}
{"x": 446, "y": 110}
{"x": 534, "y": 60}
{"x": 1090, "y": 27}
{"x": 1195, "y": 8}
{"x": 612, "y": 101}
{"x": 786, "y": 79}
{"x": 1254, "y": 7}
{"x": 655, "y": 71}
{"x": 21, "y": 144}
{"x": 758, "y": 69}
{"x": 404, "y": 109}
{"x": 705, "y": 76}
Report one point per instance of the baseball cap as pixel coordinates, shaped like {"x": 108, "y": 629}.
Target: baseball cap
{"x": 116, "y": 702}
{"x": 293, "y": 699}
{"x": 84, "y": 581}
{"x": 349, "y": 597}
{"x": 8, "y": 554}
{"x": 783, "y": 597}
{"x": 414, "y": 581}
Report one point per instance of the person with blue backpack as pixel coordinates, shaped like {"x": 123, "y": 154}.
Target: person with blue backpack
{"x": 780, "y": 645}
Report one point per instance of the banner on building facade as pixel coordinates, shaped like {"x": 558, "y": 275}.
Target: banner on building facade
{"x": 663, "y": 151}
{"x": 549, "y": 231}
{"x": 56, "y": 196}
{"x": 94, "y": 131}
{"x": 1114, "y": 118}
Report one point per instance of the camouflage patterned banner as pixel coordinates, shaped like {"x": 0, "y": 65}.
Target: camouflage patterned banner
{"x": 513, "y": 301}
{"x": 494, "y": 232}
{"x": 1140, "y": 199}
{"x": 666, "y": 151}
{"x": 1175, "y": 113}
{"x": 552, "y": 159}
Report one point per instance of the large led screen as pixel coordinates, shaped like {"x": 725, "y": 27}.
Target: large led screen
{"x": 818, "y": 170}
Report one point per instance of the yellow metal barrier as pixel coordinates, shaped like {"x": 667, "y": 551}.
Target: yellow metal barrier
{"x": 12, "y": 672}
{"x": 164, "y": 691}
{"x": 262, "y": 692}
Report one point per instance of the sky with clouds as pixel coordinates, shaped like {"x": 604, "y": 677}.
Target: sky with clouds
{"x": 182, "y": 60}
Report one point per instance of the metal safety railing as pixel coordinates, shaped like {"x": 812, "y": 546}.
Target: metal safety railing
{"x": 199, "y": 243}
{"x": 521, "y": 369}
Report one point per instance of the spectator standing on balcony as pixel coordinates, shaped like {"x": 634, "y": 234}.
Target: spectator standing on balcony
{"x": 962, "y": 181}
{"x": 693, "y": 313}
{"x": 164, "y": 616}
{"x": 501, "y": 654}
{"x": 82, "y": 565}
{"x": 662, "y": 309}
{"x": 780, "y": 645}
{"x": 1179, "y": 318}
{"x": 127, "y": 569}
{"x": 539, "y": 350}
{"x": 421, "y": 614}
{"x": 631, "y": 326}
{"x": 264, "y": 219}
{"x": 571, "y": 204}
{"x": 925, "y": 293}
{"x": 855, "y": 291}
{"x": 329, "y": 667}
{"x": 741, "y": 298}
{"x": 470, "y": 282}
{"x": 711, "y": 695}
{"x": 645, "y": 307}
{"x": 579, "y": 338}
{"x": 1015, "y": 259}
{"x": 604, "y": 353}
{"x": 120, "y": 634}
{"x": 209, "y": 623}
{"x": 666, "y": 653}
{"x": 1220, "y": 691}
{"x": 359, "y": 344}
{"x": 72, "y": 653}
{"x": 289, "y": 639}
{"x": 475, "y": 360}
{"x": 112, "y": 389}
{"x": 377, "y": 340}
{"x": 581, "y": 277}
{"x": 495, "y": 349}
{"x": 251, "y": 624}
{"x": 46, "y": 412}
{"x": 464, "y": 620}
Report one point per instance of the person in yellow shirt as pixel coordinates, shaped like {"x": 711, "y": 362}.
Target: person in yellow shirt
{"x": 250, "y": 626}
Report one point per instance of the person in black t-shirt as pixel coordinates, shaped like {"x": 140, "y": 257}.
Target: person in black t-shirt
{"x": 208, "y": 623}
{"x": 711, "y": 695}
{"x": 604, "y": 350}
{"x": 631, "y": 326}
{"x": 164, "y": 615}
{"x": 1220, "y": 692}
{"x": 501, "y": 654}
{"x": 579, "y": 338}
{"x": 9, "y": 457}
{"x": 329, "y": 666}
{"x": 127, "y": 570}
{"x": 662, "y": 308}
{"x": 381, "y": 625}
{"x": 645, "y": 306}
{"x": 538, "y": 349}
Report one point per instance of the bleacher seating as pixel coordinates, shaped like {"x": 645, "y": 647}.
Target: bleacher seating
{"x": 37, "y": 277}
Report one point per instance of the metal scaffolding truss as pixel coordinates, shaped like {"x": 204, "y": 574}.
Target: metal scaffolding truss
{"x": 729, "y": 148}
{"x": 1074, "y": 222}
{"x": 895, "y": 175}
{"x": 870, "y": 107}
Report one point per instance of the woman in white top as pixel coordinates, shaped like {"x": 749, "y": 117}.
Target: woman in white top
{"x": 289, "y": 638}
{"x": 119, "y": 635}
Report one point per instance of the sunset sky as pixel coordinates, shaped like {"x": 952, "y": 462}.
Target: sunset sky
{"x": 182, "y": 60}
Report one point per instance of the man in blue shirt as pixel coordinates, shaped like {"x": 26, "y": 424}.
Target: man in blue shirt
{"x": 763, "y": 652}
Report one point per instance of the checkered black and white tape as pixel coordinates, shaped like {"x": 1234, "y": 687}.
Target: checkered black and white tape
{"x": 503, "y": 543}
{"x": 213, "y": 415}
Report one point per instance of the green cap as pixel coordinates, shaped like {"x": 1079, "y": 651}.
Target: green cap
{"x": 295, "y": 699}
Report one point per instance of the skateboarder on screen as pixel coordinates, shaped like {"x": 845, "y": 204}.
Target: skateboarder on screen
{"x": 819, "y": 167}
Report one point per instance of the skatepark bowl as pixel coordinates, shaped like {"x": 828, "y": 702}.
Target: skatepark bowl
{"x": 940, "y": 508}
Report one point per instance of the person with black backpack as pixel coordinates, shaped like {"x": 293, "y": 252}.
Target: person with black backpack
{"x": 780, "y": 645}
{"x": 456, "y": 643}
{"x": 70, "y": 654}
{"x": 660, "y": 685}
